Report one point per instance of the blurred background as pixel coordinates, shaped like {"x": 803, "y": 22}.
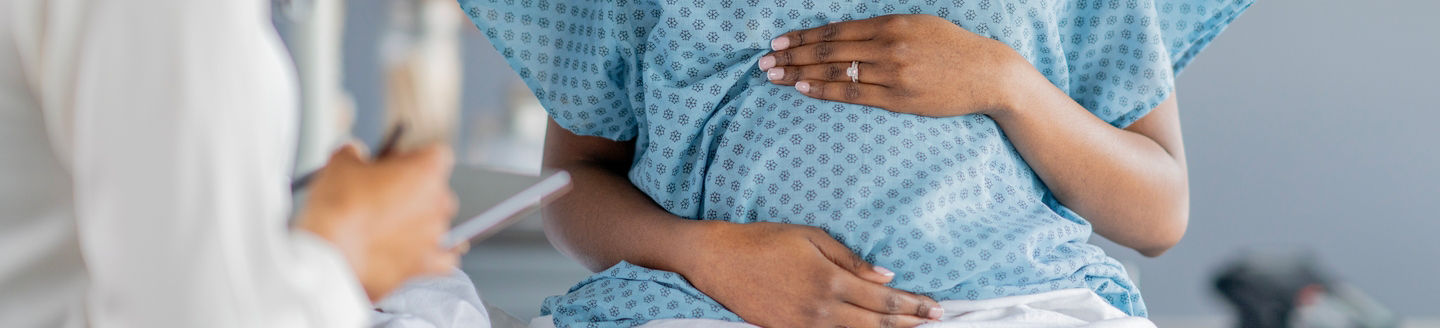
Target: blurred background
{"x": 1309, "y": 125}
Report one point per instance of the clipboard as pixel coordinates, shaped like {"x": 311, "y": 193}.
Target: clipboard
{"x": 509, "y": 211}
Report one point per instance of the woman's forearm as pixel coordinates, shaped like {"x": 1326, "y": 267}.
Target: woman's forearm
{"x": 604, "y": 219}
{"x": 1131, "y": 184}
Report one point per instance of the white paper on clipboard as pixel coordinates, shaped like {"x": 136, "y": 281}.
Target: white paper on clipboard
{"x": 509, "y": 211}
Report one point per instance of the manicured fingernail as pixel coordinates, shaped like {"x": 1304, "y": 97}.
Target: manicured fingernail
{"x": 936, "y": 312}
{"x": 767, "y": 62}
{"x": 804, "y": 87}
{"x": 882, "y": 270}
{"x": 775, "y": 73}
{"x": 780, "y": 43}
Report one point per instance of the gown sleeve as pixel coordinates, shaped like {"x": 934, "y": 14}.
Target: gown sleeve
{"x": 1122, "y": 55}
{"x": 579, "y": 57}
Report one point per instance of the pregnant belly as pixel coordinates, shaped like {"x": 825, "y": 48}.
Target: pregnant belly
{"x": 777, "y": 155}
{"x": 947, "y": 203}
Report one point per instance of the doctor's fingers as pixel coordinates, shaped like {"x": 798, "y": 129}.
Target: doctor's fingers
{"x": 881, "y": 299}
{"x": 431, "y": 164}
{"x": 350, "y": 152}
{"x": 446, "y": 204}
{"x": 461, "y": 249}
{"x": 851, "y": 316}
{"x": 432, "y": 259}
{"x": 442, "y": 262}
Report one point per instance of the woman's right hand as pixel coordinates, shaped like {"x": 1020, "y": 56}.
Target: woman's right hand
{"x": 786, "y": 275}
{"x": 387, "y": 216}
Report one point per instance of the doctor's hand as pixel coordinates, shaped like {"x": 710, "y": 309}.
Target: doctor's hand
{"x": 915, "y": 64}
{"x": 387, "y": 216}
{"x": 786, "y": 275}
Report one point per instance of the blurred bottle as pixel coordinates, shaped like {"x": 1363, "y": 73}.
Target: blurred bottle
{"x": 421, "y": 51}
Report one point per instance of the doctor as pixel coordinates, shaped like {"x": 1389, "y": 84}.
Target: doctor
{"x": 145, "y": 151}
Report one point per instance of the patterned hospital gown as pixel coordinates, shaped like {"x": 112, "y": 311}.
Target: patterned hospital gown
{"x": 947, "y": 203}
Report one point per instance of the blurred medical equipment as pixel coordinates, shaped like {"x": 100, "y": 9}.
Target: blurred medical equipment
{"x": 421, "y": 50}
{"x": 1287, "y": 289}
{"x": 327, "y": 110}
{"x": 421, "y": 57}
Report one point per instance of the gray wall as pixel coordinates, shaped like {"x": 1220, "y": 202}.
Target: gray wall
{"x": 1313, "y": 123}
{"x": 1310, "y": 123}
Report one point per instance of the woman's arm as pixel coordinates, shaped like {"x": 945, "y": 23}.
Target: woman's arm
{"x": 1130, "y": 183}
{"x": 605, "y": 219}
{"x": 770, "y": 274}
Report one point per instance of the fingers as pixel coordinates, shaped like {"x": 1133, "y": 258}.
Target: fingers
{"x": 881, "y": 299}
{"x": 435, "y": 156}
{"x": 461, "y": 249}
{"x": 430, "y": 165}
{"x": 829, "y": 72}
{"x": 848, "y": 315}
{"x": 847, "y": 260}
{"x": 824, "y": 52}
{"x": 451, "y": 205}
{"x": 442, "y": 204}
{"x": 839, "y": 31}
{"x": 847, "y": 92}
{"x": 442, "y": 263}
{"x": 349, "y": 153}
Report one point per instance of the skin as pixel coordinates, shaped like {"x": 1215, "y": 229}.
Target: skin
{"x": 1130, "y": 183}
{"x": 387, "y": 217}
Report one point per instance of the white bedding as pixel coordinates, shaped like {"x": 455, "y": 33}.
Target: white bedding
{"x": 1061, "y": 308}
{"x": 438, "y": 302}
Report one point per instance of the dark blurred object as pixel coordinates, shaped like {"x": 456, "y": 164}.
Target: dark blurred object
{"x": 1275, "y": 289}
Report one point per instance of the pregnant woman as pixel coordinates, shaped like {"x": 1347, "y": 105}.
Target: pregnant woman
{"x": 850, "y": 163}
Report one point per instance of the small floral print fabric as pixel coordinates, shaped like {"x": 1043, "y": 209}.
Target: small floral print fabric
{"x": 947, "y": 203}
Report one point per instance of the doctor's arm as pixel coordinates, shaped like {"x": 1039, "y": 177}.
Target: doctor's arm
{"x": 181, "y": 181}
{"x": 1130, "y": 183}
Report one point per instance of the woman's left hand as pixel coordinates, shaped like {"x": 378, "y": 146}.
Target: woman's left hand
{"x": 916, "y": 64}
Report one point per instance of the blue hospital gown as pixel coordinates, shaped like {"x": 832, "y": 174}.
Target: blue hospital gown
{"x": 947, "y": 203}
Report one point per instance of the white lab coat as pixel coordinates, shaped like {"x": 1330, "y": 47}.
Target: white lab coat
{"x": 145, "y": 152}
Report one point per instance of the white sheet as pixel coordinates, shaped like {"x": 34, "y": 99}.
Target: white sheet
{"x": 437, "y": 302}
{"x": 1062, "y": 308}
